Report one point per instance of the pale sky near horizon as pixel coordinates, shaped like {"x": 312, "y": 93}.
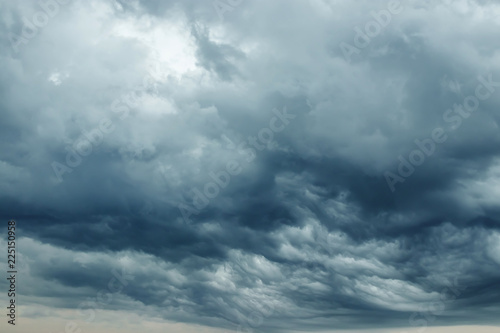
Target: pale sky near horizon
{"x": 132, "y": 324}
{"x": 265, "y": 165}
{"x": 55, "y": 321}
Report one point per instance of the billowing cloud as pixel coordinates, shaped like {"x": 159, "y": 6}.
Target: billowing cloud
{"x": 255, "y": 165}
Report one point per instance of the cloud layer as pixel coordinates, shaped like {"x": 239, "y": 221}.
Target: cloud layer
{"x": 152, "y": 138}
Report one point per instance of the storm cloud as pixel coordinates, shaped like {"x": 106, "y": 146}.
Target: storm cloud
{"x": 255, "y": 165}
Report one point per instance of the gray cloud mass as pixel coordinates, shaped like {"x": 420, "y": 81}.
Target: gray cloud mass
{"x": 306, "y": 234}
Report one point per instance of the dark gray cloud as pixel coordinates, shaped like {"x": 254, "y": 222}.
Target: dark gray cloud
{"x": 117, "y": 114}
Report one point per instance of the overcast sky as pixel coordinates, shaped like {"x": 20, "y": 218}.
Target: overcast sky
{"x": 251, "y": 166}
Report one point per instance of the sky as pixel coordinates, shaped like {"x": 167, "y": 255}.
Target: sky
{"x": 251, "y": 166}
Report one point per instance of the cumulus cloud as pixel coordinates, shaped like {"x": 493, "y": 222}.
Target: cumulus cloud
{"x": 235, "y": 166}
